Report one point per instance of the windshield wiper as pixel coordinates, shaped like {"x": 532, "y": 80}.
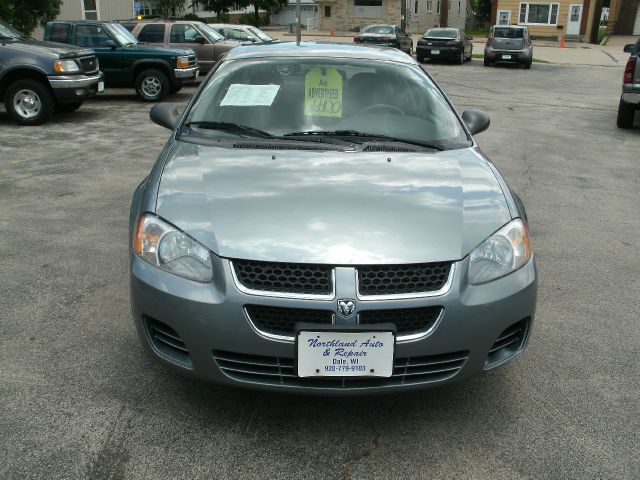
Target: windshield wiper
{"x": 364, "y": 135}
{"x": 229, "y": 127}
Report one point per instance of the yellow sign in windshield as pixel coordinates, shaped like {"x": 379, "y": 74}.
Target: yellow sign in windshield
{"x": 323, "y": 92}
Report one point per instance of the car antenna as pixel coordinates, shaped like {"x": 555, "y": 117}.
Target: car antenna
{"x": 298, "y": 27}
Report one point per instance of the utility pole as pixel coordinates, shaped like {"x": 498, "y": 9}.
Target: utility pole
{"x": 403, "y": 15}
{"x": 298, "y": 23}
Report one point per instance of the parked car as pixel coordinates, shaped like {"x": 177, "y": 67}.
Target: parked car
{"x": 38, "y": 78}
{"x": 153, "y": 71}
{"x": 385, "y": 36}
{"x": 208, "y": 44}
{"x": 630, "y": 98}
{"x": 242, "y": 33}
{"x": 445, "y": 43}
{"x": 508, "y": 44}
{"x": 322, "y": 220}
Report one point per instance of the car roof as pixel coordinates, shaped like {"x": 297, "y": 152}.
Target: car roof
{"x": 91, "y": 22}
{"x": 510, "y": 26}
{"x": 229, "y": 25}
{"x": 318, "y": 50}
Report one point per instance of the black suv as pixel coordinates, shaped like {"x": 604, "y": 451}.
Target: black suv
{"x": 630, "y": 98}
{"x": 153, "y": 71}
{"x": 37, "y": 78}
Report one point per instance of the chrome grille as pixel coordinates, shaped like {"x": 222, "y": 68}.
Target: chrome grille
{"x": 296, "y": 278}
{"x": 167, "y": 341}
{"x": 402, "y": 279}
{"x": 282, "y": 321}
{"x": 89, "y": 64}
{"x": 275, "y": 371}
{"x": 193, "y": 61}
{"x": 407, "y": 320}
{"x": 509, "y": 342}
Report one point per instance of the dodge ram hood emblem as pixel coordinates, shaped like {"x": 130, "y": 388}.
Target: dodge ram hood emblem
{"x": 346, "y": 307}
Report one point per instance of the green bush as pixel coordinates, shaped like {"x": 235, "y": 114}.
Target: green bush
{"x": 191, "y": 16}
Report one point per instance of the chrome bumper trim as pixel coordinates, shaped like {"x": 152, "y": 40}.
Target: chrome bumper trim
{"x": 191, "y": 72}
{"x": 74, "y": 81}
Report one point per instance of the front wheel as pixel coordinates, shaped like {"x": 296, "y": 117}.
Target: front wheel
{"x": 460, "y": 59}
{"x": 626, "y": 115}
{"x": 487, "y": 63}
{"x": 29, "y": 102}
{"x": 152, "y": 85}
{"x": 420, "y": 58}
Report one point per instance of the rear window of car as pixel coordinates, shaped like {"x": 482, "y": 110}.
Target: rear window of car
{"x": 152, "y": 33}
{"x": 508, "y": 32}
{"x": 59, "y": 33}
{"x": 383, "y": 29}
{"x": 441, "y": 33}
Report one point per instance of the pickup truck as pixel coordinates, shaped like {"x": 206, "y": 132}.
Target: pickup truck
{"x": 37, "y": 78}
{"x": 153, "y": 71}
{"x": 630, "y": 98}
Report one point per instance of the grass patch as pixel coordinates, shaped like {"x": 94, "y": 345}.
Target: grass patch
{"x": 535, "y": 60}
{"x": 483, "y": 32}
{"x": 602, "y": 31}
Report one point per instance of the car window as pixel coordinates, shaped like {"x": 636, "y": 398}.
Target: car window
{"x": 183, "y": 33}
{"x": 441, "y": 33}
{"x": 210, "y": 33}
{"x": 121, "y": 34}
{"x": 91, "y": 36}
{"x": 59, "y": 32}
{"x": 285, "y": 96}
{"x": 260, "y": 34}
{"x": 382, "y": 29}
{"x": 501, "y": 32}
{"x": 128, "y": 25}
{"x": 152, "y": 33}
{"x": 236, "y": 34}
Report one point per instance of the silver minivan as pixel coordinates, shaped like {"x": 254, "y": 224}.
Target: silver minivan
{"x": 508, "y": 44}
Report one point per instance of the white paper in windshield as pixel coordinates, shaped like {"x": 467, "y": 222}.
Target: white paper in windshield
{"x": 240, "y": 95}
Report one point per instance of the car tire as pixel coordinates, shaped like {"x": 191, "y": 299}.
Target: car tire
{"x": 626, "y": 115}
{"x": 152, "y": 85}
{"x": 487, "y": 63}
{"x": 175, "y": 88}
{"x": 29, "y": 102}
{"x": 68, "y": 107}
{"x": 528, "y": 64}
{"x": 460, "y": 59}
{"x": 420, "y": 58}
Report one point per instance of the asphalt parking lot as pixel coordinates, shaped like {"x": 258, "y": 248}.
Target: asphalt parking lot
{"x": 81, "y": 399}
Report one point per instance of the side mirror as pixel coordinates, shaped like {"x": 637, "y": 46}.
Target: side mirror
{"x": 200, "y": 39}
{"x": 110, "y": 44}
{"x": 165, "y": 114}
{"x": 629, "y": 48}
{"x": 476, "y": 120}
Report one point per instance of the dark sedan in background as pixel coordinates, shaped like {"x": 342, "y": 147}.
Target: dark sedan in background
{"x": 385, "y": 36}
{"x": 445, "y": 44}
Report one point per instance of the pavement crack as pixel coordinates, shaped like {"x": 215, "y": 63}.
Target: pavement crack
{"x": 346, "y": 467}
{"x": 112, "y": 457}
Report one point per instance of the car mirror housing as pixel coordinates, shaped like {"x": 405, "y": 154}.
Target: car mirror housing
{"x": 477, "y": 121}
{"x": 165, "y": 114}
{"x": 629, "y": 48}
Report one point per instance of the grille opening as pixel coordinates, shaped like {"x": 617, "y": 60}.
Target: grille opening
{"x": 297, "y": 278}
{"x": 282, "y": 321}
{"x": 399, "y": 279}
{"x": 509, "y": 342}
{"x": 167, "y": 341}
{"x": 280, "y": 371}
{"x": 407, "y": 320}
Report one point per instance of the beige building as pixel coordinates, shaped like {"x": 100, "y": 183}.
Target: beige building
{"x": 96, "y": 9}
{"x": 425, "y": 14}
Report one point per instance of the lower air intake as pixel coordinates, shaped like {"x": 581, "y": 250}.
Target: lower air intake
{"x": 167, "y": 342}
{"x": 509, "y": 343}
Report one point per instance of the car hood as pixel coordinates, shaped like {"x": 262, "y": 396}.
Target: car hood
{"x": 48, "y": 49}
{"x": 332, "y": 207}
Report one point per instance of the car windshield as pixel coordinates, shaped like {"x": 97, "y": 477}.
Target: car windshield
{"x": 260, "y": 34}
{"x": 383, "y": 29}
{"x": 320, "y": 98}
{"x": 122, "y": 35}
{"x": 442, "y": 33}
{"x": 508, "y": 32}
{"x": 7, "y": 31}
{"x": 211, "y": 34}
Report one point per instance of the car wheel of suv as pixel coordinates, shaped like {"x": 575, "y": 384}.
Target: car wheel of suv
{"x": 626, "y": 115}
{"x": 29, "y": 102}
{"x": 68, "y": 107}
{"x": 152, "y": 85}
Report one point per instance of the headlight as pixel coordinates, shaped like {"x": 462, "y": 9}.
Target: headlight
{"x": 168, "y": 248}
{"x": 183, "y": 62}
{"x": 65, "y": 66}
{"x": 502, "y": 253}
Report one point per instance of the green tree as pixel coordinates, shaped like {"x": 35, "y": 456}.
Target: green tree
{"x": 25, "y": 15}
{"x": 220, "y": 7}
{"x": 482, "y": 8}
{"x": 268, "y": 5}
{"x": 167, "y": 8}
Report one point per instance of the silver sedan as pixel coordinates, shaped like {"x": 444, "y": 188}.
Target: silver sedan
{"x": 322, "y": 220}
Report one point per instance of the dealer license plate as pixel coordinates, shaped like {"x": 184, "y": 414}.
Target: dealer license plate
{"x": 100, "y": 87}
{"x": 506, "y": 57}
{"x": 435, "y": 52}
{"x": 345, "y": 354}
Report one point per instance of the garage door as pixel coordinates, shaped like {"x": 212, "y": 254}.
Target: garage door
{"x": 636, "y": 27}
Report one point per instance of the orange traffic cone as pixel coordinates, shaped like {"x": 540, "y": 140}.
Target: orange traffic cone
{"x": 562, "y": 41}
{"x": 331, "y": 32}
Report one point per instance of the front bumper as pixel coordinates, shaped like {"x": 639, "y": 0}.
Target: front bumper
{"x": 73, "y": 88}
{"x": 186, "y": 73}
{"x": 211, "y": 318}
{"x": 443, "y": 52}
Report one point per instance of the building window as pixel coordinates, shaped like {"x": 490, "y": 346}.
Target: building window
{"x": 438, "y": 6}
{"x": 539, "y": 13}
{"x": 327, "y": 11}
{"x": 367, "y": 8}
{"x": 415, "y": 7}
{"x": 459, "y": 7}
{"x": 90, "y": 9}
{"x": 504, "y": 17}
{"x": 429, "y": 6}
